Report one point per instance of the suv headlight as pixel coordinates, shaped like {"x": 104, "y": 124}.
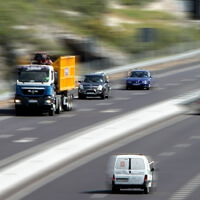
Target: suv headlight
{"x": 81, "y": 87}
{"x": 100, "y": 87}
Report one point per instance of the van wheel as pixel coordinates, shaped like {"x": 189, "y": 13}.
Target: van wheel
{"x": 115, "y": 190}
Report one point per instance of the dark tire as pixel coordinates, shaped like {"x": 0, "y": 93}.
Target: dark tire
{"x": 115, "y": 190}
{"x": 18, "y": 111}
{"x": 51, "y": 112}
{"x": 103, "y": 96}
{"x": 81, "y": 96}
{"x": 59, "y": 109}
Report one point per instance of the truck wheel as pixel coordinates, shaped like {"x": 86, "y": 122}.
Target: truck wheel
{"x": 71, "y": 103}
{"x": 59, "y": 109}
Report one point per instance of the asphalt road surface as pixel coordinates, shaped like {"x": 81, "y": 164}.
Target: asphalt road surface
{"x": 174, "y": 145}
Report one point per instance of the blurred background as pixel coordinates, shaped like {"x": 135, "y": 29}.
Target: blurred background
{"x": 101, "y": 33}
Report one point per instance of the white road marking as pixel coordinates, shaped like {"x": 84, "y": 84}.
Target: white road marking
{"x": 26, "y": 129}
{"x": 98, "y": 196}
{"x": 111, "y": 111}
{"x": 140, "y": 93}
{"x": 182, "y": 145}
{"x": 172, "y": 84}
{"x": 104, "y": 104}
{"x": 188, "y": 80}
{"x": 85, "y": 109}
{"x": 46, "y": 122}
{"x": 67, "y": 115}
{"x": 167, "y": 154}
{"x": 4, "y": 118}
{"x": 194, "y": 137}
{"x": 25, "y": 140}
{"x": 122, "y": 98}
{"x": 159, "y": 88}
{"x": 5, "y": 136}
{"x": 187, "y": 189}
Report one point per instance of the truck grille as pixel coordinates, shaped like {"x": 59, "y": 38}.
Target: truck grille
{"x": 33, "y": 91}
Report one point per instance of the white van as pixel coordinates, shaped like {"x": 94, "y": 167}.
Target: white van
{"x": 129, "y": 171}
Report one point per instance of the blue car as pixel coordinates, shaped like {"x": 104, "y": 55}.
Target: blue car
{"x": 139, "y": 79}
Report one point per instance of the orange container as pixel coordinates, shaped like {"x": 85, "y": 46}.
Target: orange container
{"x": 65, "y": 67}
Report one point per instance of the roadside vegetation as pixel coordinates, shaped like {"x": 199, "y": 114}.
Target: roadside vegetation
{"x": 33, "y": 23}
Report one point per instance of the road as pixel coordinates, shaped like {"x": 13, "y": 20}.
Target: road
{"x": 25, "y": 135}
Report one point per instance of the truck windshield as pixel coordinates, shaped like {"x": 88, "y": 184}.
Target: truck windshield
{"x": 34, "y": 76}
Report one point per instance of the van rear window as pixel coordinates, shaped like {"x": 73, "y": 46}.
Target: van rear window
{"x": 122, "y": 163}
{"x": 137, "y": 164}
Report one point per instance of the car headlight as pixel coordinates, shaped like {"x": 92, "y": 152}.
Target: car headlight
{"x": 100, "y": 87}
{"x": 81, "y": 87}
{"x": 145, "y": 82}
{"x": 129, "y": 81}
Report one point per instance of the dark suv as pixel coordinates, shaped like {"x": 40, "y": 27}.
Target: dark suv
{"x": 94, "y": 85}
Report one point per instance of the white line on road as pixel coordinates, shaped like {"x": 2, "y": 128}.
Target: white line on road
{"x": 26, "y": 129}
{"x": 46, "y": 122}
{"x": 2, "y": 136}
{"x": 111, "y": 111}
{"x": 25, "y": 140}
{"x": 194, "y": 137}
{"x": 187, "y": 189}
{"x": 167, "y": 154}
{"x": 182, "y": 145}
{"x": 98, "y": 196}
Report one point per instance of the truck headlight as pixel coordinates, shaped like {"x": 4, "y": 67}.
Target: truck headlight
{"x": 100, "y": 87}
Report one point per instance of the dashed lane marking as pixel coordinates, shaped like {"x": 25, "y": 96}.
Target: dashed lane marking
{"x": 167, "y": 154}
{"x": 172, "y": 84}
{"x": 26, "y": 129}
{"x": 68, "y": 115}
{"x": 187, "y": 189}
{"x": 188, "y": 80}
{"x": 104, "y": 104}
{"x": 46, "y": 122}
{"x": 98, "y": 196}
{"x": 111, "y": 111}
{"x": 4, "y": 136}
{"x": 122, "y": 98}
{"x": 85, "y": 109}
{"x": 182, "y": 145}
{"x": 194, "y": 137}
{"x": 25, "y": 140}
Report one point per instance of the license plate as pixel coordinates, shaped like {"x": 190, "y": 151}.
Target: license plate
{"x": 32, "y": 101}
{"x": 90, "y": 93}
{"x": 136, "y": 84}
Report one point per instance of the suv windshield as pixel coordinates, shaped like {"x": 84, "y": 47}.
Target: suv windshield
{"x": 93, "y": 79}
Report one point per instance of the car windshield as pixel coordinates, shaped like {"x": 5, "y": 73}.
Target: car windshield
{"x": 140, "y": 74}
{"x": 34, "y": 76}
{"x": 93, "y": 79}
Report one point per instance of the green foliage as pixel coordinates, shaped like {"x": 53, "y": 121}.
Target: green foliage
{"x": 134, "y": 2}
